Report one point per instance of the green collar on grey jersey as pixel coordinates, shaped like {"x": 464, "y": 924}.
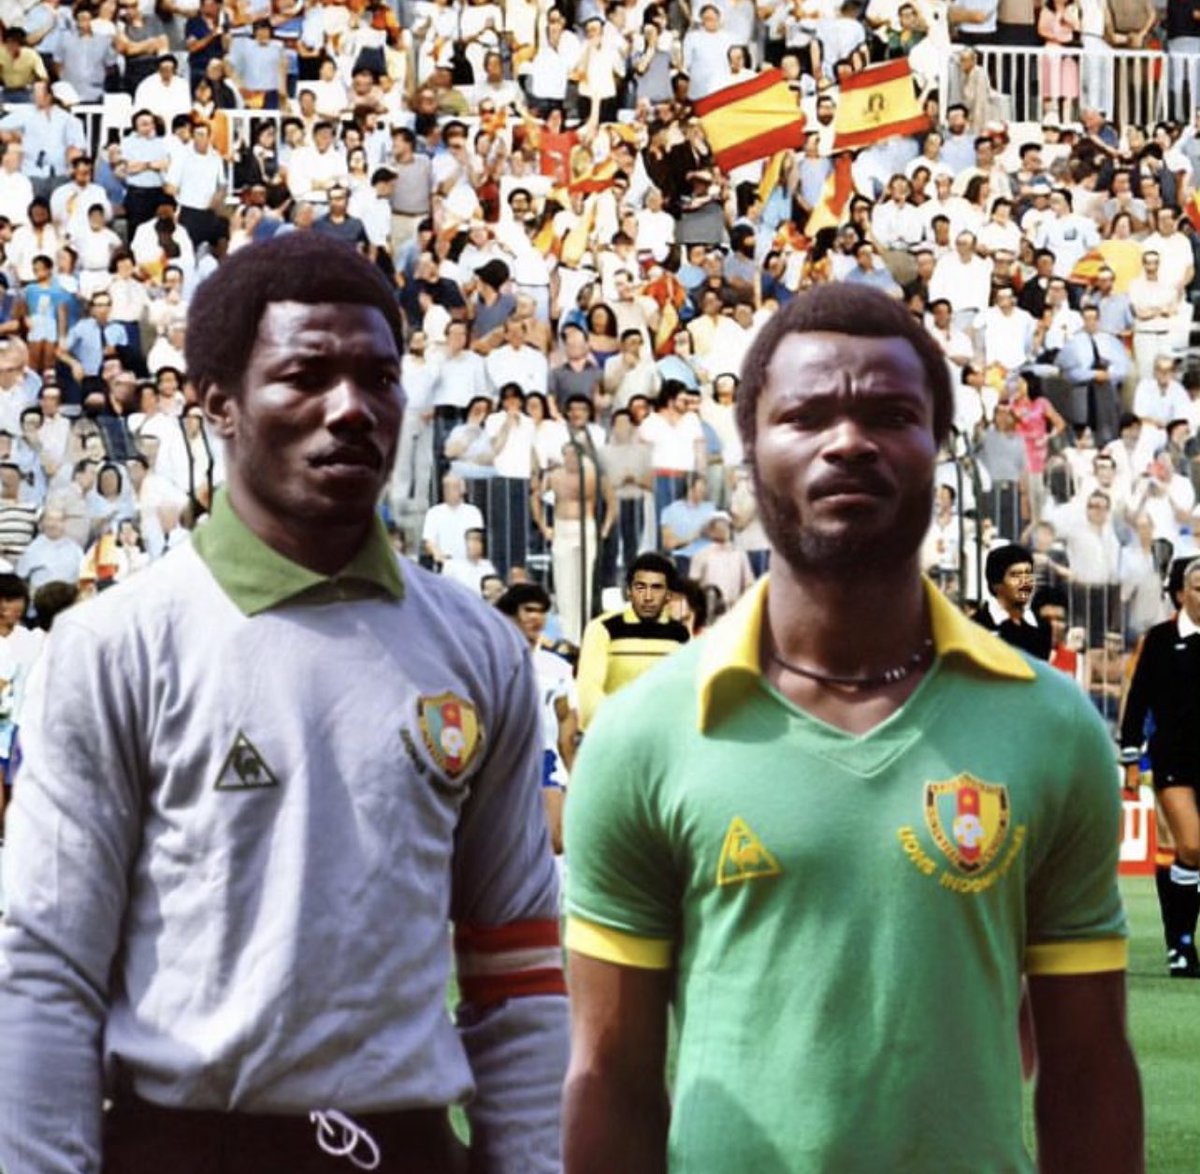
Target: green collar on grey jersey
{"x": 258, "y": 578}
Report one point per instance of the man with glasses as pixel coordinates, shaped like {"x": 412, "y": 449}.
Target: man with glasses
{"x": 88, "y": 343}
{"x": 1010, "y": 580}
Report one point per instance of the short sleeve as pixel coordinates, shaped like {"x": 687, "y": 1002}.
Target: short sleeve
{"x": 1076, "y": 920}
{"x": 622, "y": 889}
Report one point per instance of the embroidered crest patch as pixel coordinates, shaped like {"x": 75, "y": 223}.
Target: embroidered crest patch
{"x": 451, "y": 730}
{"x": 968, "y": 820}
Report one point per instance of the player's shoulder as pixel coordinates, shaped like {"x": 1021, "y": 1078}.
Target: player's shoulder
{"x": 453, "y": 615}
{"x": 1161, "y": 635}
{"x": 176, "y": 582}
{"x": 1051, "y": 702}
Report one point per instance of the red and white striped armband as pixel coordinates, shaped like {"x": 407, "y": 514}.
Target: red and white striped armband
{"x": 499, "y": 962}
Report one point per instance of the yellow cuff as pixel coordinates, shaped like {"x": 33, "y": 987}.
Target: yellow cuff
{"x": 614, "y": 945}
{"x": 1087, "y": 957}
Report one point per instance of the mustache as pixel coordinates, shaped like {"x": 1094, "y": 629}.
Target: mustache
{"x": 866, "y": 480}
{"x": 348, "y": 454}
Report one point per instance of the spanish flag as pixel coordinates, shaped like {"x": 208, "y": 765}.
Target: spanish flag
{"x": 835, "y": 197}
{"x": 751, "y": 120}
{"x": 592, "y": 177}
{"x": 878, "y": 103}
{"x": 1123, "y": 257}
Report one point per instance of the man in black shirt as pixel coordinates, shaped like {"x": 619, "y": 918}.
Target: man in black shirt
{"x": 1166, "y": 689}
{"x": 1010, "y": 579}
{"x": 339, "y": 224}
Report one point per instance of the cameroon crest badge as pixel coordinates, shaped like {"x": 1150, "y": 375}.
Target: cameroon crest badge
{"x": 451, "y": 729}
{"x": 968, "y": 820}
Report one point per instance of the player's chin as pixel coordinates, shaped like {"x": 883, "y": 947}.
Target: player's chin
{"x": 346, "y": 490}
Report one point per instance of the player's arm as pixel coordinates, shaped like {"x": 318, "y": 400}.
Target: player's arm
{"x": 568, "y": 730}
{"x": 73, "y": 832}
{"x": 615, "y": 1108}
{"x": 513, "y": 1016}
{"x": 592, "y": 671}
{"x": 1088, "y": 1100}
{"x": 623, "y": 902}
{"x": 1137, "y": 705}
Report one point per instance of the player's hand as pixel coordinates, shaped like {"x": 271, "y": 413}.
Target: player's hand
{"x": 1133, "y": 777}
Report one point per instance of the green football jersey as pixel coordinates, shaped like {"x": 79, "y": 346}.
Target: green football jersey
{"x": 849, "y": 916}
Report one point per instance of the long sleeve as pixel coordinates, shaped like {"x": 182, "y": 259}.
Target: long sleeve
{"x": 1075, "y": 366}
{"x": 1137, "y": 701}
{"x": 73, "y": 832}
{"x": 1119, "y": 365}
{"x": 593, "y": 671}
{"x": 513, "y": 1015}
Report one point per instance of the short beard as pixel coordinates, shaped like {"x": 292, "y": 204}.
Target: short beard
{"x": 811, "y": 554}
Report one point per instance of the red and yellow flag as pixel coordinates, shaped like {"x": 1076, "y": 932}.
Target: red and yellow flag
{"x": 668, "y": 291}
{"x": 788, "y": 236}
{"x": 1192, "y": 210}
{"x": 596, "y": 178}
{"x": 751, "y": 120}
{"x": 1123, "y": 257}
{"x": 878, "y": 103}
{"x": 835, "y": 197}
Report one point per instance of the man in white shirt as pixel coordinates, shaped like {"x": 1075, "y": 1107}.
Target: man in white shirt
{"x": 557, "y": 55}
{"x": 516, "y": 361}
{"x": 165, "y": 92}
{"x": 1065, "y": 233}
{"x": 1061, "y": 321}
{"x": 999, "y": 234}
{"x": 964, "y": 279}
{"x": 631, "y": 371}
{"x": 956, "y": 344}
{"x": 470, "y": 570}
{"x": 1166, "y": 496}
{"x": 69, "y": 203}
{"x": 655, "y": 226}
{"x": 313, "y": 170}
{"x": 677, "y": 446}
{"x": 197, "y": 181}
{"x": 54, "y": 435}
{"x": 895, "y": 223}
{"x": 1006, "y": 331}
{"x": 146, "y": 246}
{"x": 1159, "y": 400}
{"x": 1155, "y": 303}
{"x": 1176, "y": 262}
{"x": 444, "y": 534}
{"x": 16, "y": 189}
{"x": 372, "y": 206}
{"x": 706, "y": 54}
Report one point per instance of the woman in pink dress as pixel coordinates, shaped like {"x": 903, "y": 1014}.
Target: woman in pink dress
{"x": 1038, "y": 422}
{"x": 1058, "y": 26}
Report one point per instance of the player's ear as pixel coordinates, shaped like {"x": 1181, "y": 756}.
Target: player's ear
{"x": 220, "y": 409}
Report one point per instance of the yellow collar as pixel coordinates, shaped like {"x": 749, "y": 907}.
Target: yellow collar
{"x": 730, "y": 662}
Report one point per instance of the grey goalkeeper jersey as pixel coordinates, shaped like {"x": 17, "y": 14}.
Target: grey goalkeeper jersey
{"x": 236, "y": 848}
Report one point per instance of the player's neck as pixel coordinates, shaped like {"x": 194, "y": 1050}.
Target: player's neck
{"x": 845, "y": 626}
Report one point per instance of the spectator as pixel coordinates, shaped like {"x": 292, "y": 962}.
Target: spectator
{"x": 684, "y": 523}
{"x": 52, "y": 556}
{"x": 444, "y": 534}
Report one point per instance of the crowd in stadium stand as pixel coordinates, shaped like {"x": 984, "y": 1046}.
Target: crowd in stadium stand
{"x": 581, "y": 280}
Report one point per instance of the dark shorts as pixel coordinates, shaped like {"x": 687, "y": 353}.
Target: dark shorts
{"x": 1163, "y": 780}
{"x": 142, "y": 1138}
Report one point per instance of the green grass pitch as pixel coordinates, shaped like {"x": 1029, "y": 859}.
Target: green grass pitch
{"x": 1164, "y": 1020}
